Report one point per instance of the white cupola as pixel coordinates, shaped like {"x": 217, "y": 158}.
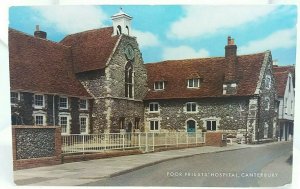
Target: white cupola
{"x": 121, "y": 23}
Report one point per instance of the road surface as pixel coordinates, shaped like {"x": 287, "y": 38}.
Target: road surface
{"x": 266, "y": 165}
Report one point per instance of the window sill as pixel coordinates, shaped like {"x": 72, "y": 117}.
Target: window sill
{"x": 63, "y": 108}
{"x": 191, "y": 112}
{"x": 38, "y": 107}
{"x": 84, "y": 133}
{"x": 153, "y": 112}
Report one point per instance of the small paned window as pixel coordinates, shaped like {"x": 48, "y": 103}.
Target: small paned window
{"x": 83, "y": 121}
{"x": 83, "y": 104}
{"x": 153, "y": 107}
{"x": 63, "y": 102}
{"x": 39, "y": 120}
{"x": 14, "y": 97}
{"x": 159, "y": 85}
{"x": 63, "y": 122}
{"x": 191, "y": 107}
{"x": 211, "y": 125}
{"x": 154, "y": 125}
{"x": 39, "y": 100}
{"x": 193, "y": 83}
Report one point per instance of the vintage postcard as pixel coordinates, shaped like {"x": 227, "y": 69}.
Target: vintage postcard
{"x": 161, "y": 95}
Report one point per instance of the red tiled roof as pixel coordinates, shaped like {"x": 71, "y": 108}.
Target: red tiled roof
{"x": 40, "y": 65}
{"x": 91, "y": 49}
{"x": 281, "y": 79}
{"x": 290, "y": 69}
{"x": 176, "y": 72}
{"x": 281, "y": 76}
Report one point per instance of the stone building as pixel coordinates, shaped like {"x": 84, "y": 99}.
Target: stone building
{"x": 285, "y": 85}
{"x": 222, "y": 93}
{"x": 90, "y": 82}
{"x": 96, "y": 81}
{"x": 44, "y": 91}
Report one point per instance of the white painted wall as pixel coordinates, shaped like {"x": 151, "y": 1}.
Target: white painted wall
{"x": 287, "y": 103}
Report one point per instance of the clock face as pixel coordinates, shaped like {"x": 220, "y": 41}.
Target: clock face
{"x": 129, "y": 52}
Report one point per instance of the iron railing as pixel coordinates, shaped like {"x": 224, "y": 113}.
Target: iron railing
{"x": 148, "y": 141}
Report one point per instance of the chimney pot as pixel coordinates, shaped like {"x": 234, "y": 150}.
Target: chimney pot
{"x": 228, "y": 40}
{"x": 39, "y": 34}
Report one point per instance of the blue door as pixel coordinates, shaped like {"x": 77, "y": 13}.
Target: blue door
{"x": 191, "y": 126}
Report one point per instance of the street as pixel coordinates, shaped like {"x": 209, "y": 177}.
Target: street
{"x": 266, "y": 165}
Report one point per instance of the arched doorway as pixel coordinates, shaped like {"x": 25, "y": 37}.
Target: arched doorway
{"x": 129, "y": 127}
{"x": 191, "y": 126}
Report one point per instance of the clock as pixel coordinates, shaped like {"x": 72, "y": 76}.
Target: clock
{"x": 129, "y": 52}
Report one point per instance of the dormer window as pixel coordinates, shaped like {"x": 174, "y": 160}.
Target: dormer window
{"x": 159, "y": 85}
{"x": 193, "y": 83}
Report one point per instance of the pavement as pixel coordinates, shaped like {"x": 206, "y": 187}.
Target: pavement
{"x": 84, "y": 172}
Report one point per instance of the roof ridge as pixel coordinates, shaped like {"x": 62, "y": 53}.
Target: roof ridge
{"x": 205, "y": 58}
{"x": 37, "y": 38}
{"x": 86, "y": 31}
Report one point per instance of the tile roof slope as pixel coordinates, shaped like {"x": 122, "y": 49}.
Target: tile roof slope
{"x": 211, "y": 70}
{"x": 91, "y": 49}
{"x": 40, "y": 65}
{"x": 281, "y": 77}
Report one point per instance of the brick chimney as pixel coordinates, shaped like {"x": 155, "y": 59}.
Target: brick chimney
{"x": 230, "y": 79}
{"x": 39, "y": 34}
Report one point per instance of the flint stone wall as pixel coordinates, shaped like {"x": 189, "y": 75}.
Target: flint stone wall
{"x": 230, "y": 113}
{"x": 35, "y": 146}
{"x": 35, "y": 143}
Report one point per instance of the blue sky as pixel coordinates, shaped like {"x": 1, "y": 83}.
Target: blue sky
{"x": 176, "y": 32}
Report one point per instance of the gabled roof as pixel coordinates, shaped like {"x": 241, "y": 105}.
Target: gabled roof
{"x": 210, "y": 70}
{"x": 281, "y": 74}
{"x": 40, "y": 65}
{"x": 91, "y": 49}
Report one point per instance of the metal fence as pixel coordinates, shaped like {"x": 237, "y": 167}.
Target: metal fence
{"x": 77, "y": 143}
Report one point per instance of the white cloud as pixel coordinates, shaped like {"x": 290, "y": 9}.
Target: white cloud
{"x": 72, "y": 19}
{"x": 183, "y": 52}
{"x": 204, "y": 20}
{"x": 280, "y": 39}
{"x": 145, "y": 39}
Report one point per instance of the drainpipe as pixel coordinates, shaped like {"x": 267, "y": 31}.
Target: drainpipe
{"x": 283, "y": 109}
{"x": 258, "y": 118}
{"x": 53, "y": 110}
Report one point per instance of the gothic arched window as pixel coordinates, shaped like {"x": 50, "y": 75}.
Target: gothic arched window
{"x": 129, "y": 80}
